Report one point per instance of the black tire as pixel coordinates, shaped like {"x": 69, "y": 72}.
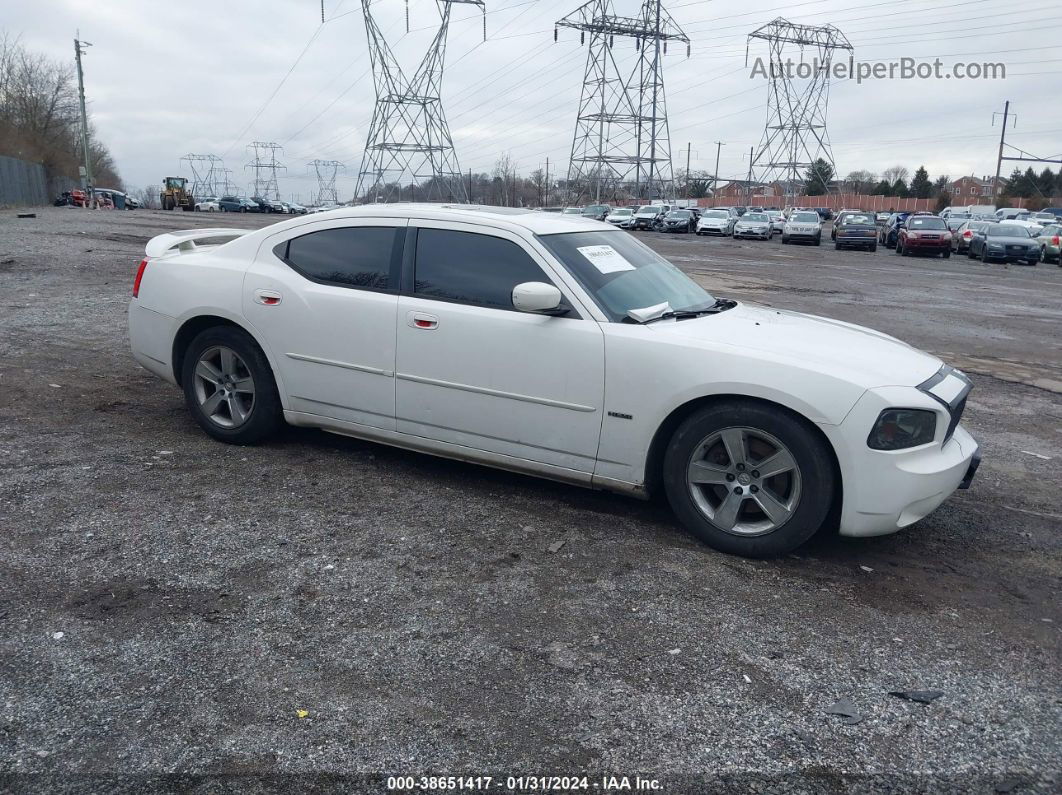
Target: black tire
{"x": 266, "y": 412}
{"x": 811, "y": 453}
{"x": 836, "y": 246}
{"x": 243, "y": 209}
{"x": 946, "y": 254}
{"x": 874, "y": 248}
{"x": 984, "y": 255}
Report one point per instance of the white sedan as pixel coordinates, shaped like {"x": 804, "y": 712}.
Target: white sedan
{"x": 555, "y": 346}
{"x": 207, "y": 205}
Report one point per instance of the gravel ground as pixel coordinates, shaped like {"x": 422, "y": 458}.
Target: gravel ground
{"x": 177, "y": 614}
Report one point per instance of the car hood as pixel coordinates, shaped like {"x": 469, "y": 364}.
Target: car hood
{"x": 860, "y": 355}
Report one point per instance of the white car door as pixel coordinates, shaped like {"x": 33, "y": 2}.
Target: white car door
{"x": 473, "y": 371}
{"x": 324, "y": 298}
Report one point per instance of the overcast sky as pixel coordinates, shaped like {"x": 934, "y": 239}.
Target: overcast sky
{"x": 167, "y": 78}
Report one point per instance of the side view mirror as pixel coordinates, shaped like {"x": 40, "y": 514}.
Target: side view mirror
{"x": 538, "y": 297}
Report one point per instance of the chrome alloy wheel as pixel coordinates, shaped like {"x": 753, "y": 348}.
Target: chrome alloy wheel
{"x": 744, "y": 481}
{"x": 224, "y": 387}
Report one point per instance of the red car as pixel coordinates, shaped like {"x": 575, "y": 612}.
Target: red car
{"x": 924, "y": 234}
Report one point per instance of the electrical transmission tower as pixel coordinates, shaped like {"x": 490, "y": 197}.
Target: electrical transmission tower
{"x": 795, "y": 135}
{"x": 326, "y": 171}
{"x": 225, "y": 185}
{"x": 621, "y": 137}
{"x": 265, "y": 167}
{"x": 409, "y": 140}
{"x": 206, "y": 174}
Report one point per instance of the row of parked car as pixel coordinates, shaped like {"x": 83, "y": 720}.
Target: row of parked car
{"x": 1006, "y": 235}
{"x": 241, "y": 204}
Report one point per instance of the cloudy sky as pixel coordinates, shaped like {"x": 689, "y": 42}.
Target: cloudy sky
{"x": 165, "y": 79}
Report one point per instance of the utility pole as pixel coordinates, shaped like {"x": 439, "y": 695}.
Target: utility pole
{"x": 715, "y": 175}
{"x": 546, "y": 200}
{"x": 748, "y": 182}
{"x": 470, "y": 187}
{"x": 78, "y": 52}
{"x": 689, "y": 145}
{"x": 1002, "y": 140}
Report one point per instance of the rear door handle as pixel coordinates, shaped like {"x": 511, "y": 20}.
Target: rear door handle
{"x": 422, "y": 320}
{"x": 267, "y": 297}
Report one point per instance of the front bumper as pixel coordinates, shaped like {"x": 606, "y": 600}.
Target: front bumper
{"x": 859, "y": 240}
{"x": 1031, "y": 256}
{"x": 803, "y": 235}
{"x": 763, "y": 234}
{"x": 712, "y": 230}
{"x": 886, "y": 491}
{"x": 920, "y": 244}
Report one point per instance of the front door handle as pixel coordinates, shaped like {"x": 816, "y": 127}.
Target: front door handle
{"x": 422, "y": 320}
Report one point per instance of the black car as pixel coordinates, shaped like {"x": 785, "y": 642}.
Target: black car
{"x": 599, "y": 212}
{"x": 825, "y": 213}
{"x": 890, "y": 230}
{"x": 856, "y": 230}
{"x": 1005, "y": 243}
{"x": 264, "y": 205}
{"x": 680, "y": 221}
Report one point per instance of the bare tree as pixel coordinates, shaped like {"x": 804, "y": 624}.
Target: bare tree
{"x": 895, "y": 174}
{"x": 40, "y": 115}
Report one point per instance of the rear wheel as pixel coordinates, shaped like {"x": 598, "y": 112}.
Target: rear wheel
{"x": 749, "y": 479}
{"x": 229, "y": 386}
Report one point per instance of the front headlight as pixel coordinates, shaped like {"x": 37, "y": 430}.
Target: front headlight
{"x": 898, "y": 429}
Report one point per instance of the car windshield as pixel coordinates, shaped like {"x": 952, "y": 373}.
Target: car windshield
{"x": 622, "y": 211}
{"x": 925, "y": 222}
{"x": 855, "y": 219}
{"x": 1007, "y": 230}
{"x": 717, "y": 214}
{"x": 648, "y": 211}
{"x": 622, "y": 273}
{"x": 805, "y": 218}
{"x": 682, "y": 214}
{"x": 755, "y": 217}
{"x": 572, "y": 211}
{"x": 594, "y": 209}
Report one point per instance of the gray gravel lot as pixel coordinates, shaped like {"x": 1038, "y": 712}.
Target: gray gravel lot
{"x": 169, "y": 604}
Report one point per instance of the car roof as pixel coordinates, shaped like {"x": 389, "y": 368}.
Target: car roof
{"x": 501, "y": 217}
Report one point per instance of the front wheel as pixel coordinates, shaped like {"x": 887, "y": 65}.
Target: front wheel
{"x": 947, "y": 253}
{"x": 229, "y": 387}
{"x": 874, "y": 248}
{"x": 748, "y": 478}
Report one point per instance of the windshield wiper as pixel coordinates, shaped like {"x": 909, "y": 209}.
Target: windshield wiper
{"x": 721, "y": 305}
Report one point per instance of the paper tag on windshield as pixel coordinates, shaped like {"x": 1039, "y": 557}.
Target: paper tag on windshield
{"x": 605, "y": 258}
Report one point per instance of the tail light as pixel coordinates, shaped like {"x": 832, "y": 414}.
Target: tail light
{"x": 139, "y": 276}
{"x": 967, "y": 234}
{"x": 1054, "y": 240}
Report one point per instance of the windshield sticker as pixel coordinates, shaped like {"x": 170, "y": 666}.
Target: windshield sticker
{"x": 605, "y": 258}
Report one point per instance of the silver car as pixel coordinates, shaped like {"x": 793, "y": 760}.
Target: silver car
{"x": 756, "y": 225}
{"x": 777, "y": 220}
{"x": 716, "y": 222}
{"x": 803, "y": 225}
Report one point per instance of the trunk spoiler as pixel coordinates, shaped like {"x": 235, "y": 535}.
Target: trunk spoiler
{"x": 185, "y": 240}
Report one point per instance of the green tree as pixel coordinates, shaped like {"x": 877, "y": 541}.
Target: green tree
{"x": 883, "y": 188}
{"x": 944, "y": 200}
{"x": 1046, "y": 182}
{"x": 921, "y": 187}
{"x": 817, "y": 179}
{"x": 899, "y": 189}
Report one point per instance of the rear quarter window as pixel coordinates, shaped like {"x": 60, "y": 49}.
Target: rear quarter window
{"x": 358, "y": 257}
